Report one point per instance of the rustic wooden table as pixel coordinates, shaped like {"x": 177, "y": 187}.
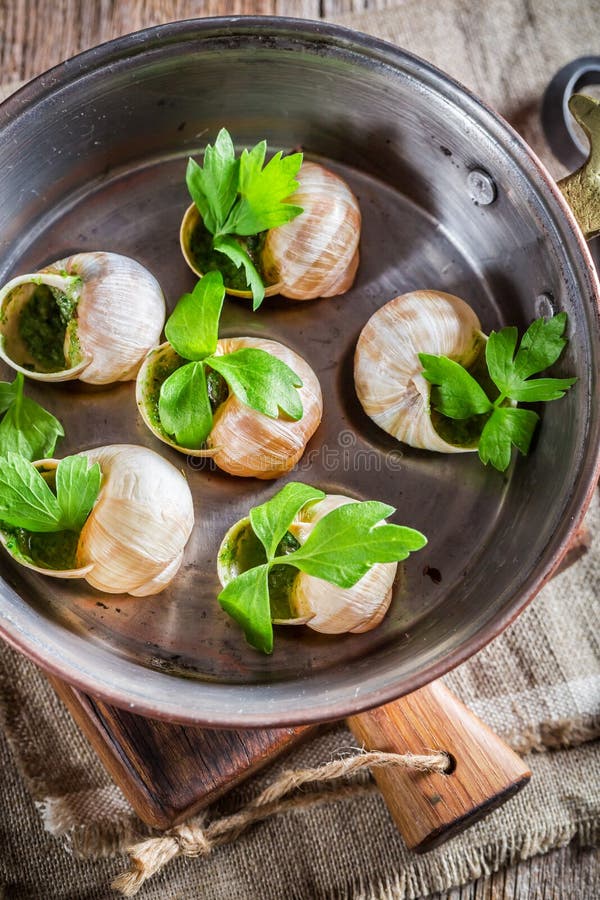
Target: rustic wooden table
{"x": 37, "y": 34}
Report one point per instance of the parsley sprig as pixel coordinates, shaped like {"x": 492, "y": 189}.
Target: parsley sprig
{"x": 340, "y": 549}
{"x": 27, "y": 501}
{"x": 459, "y": 396}
{"x": 26, "y": 427}
{"x": 257, "y": 378}
{"x": 243, "y": 197}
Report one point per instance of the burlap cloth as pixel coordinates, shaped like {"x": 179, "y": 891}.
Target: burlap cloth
{"x": 538, "y": 685}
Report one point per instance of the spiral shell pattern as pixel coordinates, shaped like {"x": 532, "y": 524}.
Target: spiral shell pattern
{"x": 242, "y": 441}
{"x": 387, "y": 371}
{"x": 316, "y": 254}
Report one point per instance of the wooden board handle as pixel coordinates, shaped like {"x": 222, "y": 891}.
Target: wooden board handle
{"x": 429, "y": 808}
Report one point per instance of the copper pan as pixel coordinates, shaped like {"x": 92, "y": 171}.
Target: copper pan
{"x": 92, "y": 156}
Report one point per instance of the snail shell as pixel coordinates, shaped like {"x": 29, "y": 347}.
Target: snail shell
{"x": 119, "y": 315}
{"x": 134, "y": 538}
{"x": 387, "y": 371}
{"x": 314, "y": 255}
{"x": 322, "y": 606}
{"x": 243, "y": 441}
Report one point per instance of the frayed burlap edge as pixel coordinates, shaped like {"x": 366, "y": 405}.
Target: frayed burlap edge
{"x": 96, "y": 840}
{"x": 428, "y": 876}
{"x": 104, "y": 837}
{"x": 108, "y": 837}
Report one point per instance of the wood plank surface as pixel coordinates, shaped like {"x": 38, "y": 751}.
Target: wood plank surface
{"x": 169, "y": 772}
{"x": 37, "y": 34}
{"x": 339, "y": 7}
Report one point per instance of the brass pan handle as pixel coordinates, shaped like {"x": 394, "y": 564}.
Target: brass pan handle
{"x": 564, "y": 138}
{"x": 581, "y": 189}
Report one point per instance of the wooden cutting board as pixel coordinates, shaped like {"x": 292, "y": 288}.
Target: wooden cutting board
{"x": 169, "y": 772}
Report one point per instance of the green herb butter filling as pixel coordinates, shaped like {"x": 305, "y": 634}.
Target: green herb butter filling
{"x": 207, "y": 259}
{"x": 218, "y": 391}
{"x": 43, "y": 325}
{"x": 248, "y": 552}
{"x": 43, "y": 511}
{"x": 164, "y": 366}
{"x": 56, "y": 550}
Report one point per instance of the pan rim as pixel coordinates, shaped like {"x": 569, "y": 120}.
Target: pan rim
{"x": 135, "y": 695}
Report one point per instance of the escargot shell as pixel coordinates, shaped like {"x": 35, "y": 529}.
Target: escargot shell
{"x": 387, "y": 371}
{"x": 118, "y": 315}
{"x": 135, "y": 535}
{"x": 322, "y": 606}
{"x": 243, "y": 441}
{"x": 316, "y": 254}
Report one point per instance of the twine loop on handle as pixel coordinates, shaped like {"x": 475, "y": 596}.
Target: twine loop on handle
{"x": 197, "y": 837}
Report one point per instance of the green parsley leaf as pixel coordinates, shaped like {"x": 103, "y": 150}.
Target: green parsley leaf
{"x": 347, "y": 542}
{"x": 460, "y": 396}
{"x": 238, "y": 256}
{"x": 499, "y": 351}
{"x": 542, "y": 344}
{"x": 263, "y": 191}
{"x": 540, "y": 347}
{"x": 8, "y": 393}
{"x": 192, "y": 329}
{"x": 184, "y": 407}
{"x": 545, "y": 389}
{"x": 505, "y": 427}
{"x": 246, "y": 599}
{"x": 271, "y": 520}
{"x": 77, "y": 488}
{"x": 243, "y": 197}
{"x": 27, "y": 428}
{"x": 214, "y": 186}
{"x": 240, "y": 196}
{"x": 26, "y": 501}
{"x": 261, "y": 381}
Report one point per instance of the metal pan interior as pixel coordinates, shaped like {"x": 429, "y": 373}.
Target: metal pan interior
{"x": 92, "y": 156}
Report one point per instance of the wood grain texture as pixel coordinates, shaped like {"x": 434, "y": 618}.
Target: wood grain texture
{"x": 37, "y": 34}
{"x": 339, "y": 7}
{"x": 169, "y": 772}
{"x": 571, "y": 873}
{"x": 429, "y": 808}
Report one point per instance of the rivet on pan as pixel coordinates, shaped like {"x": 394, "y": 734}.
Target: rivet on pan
{"x": 482, "y": 188}
{"x": 544, "y": 305}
